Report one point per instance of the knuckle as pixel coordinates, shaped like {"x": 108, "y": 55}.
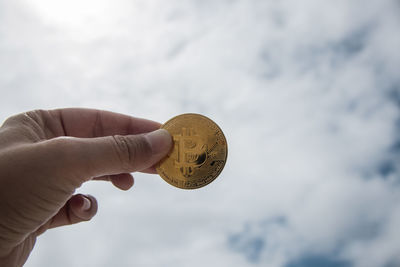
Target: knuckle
{"x": 29, "y": 116}
{"x": 12, "y": 120}
{"x": 131, "y": 149}
{"x": 31, "y": 121}
{"x": 122, "y": 150}
{"x": 37, "y": 115}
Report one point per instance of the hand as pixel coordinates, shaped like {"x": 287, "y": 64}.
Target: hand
{"x": 46, "y": 155}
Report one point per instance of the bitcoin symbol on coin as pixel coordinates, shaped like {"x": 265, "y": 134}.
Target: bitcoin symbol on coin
{"x": 199, "y": 152}
{"x": 192, "y": 152}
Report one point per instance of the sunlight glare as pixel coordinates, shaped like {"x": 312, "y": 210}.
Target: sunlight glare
{"x": 78, "y": 15}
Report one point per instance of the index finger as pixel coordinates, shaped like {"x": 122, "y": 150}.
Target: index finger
{"x": 86, "y": 123}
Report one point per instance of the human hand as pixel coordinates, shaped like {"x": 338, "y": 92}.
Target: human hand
{"x": 46, "y": 155}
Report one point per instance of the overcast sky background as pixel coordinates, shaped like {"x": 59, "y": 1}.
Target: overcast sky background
{"x": 306, "y": 92}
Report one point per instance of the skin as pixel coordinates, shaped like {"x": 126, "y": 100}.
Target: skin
{"x": 46, "y": 155}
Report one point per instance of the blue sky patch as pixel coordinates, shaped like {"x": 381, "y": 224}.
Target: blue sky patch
{"x": 319, "y": 261}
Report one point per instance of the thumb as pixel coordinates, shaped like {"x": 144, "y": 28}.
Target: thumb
{"x": 85, "y": 158}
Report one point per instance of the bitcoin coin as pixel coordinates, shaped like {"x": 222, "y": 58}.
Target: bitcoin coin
{"x": 199, "y": 152}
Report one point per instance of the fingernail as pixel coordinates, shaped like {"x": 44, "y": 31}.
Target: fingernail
{"x": 86, "y": 204}
{"x": 160, "y": 141}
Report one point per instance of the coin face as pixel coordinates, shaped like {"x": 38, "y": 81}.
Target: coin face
{"x": 199, "y": 152}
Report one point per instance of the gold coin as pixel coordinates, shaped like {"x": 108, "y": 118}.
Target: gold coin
{"x": 199, "y": 152}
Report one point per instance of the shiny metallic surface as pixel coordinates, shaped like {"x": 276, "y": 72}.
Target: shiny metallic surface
{"x": 199, "y": 152}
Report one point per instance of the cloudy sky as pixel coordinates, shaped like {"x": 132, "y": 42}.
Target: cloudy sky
{"x": 306, "y": 92}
